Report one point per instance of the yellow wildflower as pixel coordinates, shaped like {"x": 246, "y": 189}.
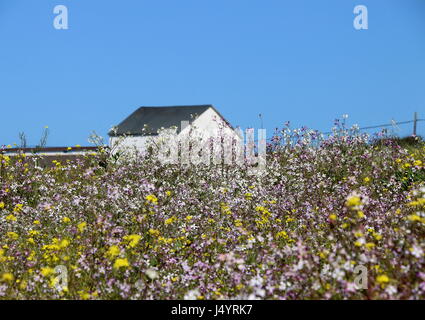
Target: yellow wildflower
{"x": 358, "y": 243}
{"x": 23, "y": 285}
{"x": 377, "y": 236}
{"x": 382, "y": 279}
{"x": 84, "y": 295}
{"x": 369, "y": 245}
{"x": 414, "y": 218}
{"x": 31, "y": 256}
{"x": 12, "y": 235}
{"x": 64, "y": 243}
{"x": 33, "y": 232}
{"x": 152, "y": 199}
{"x": 11, "y": 217}
{"x": 154, "y": 232}
{"x": 133, "y": 240}
{"x": 225, "y": 208}
{"x": 7, "y": 277}
{"x": 82, "y": 226}
{"x": 66, "y": 220}
{"x": 1, "y": 205}
{"x": 323, "y": 255}
{"x": 282, "y": 234}
{"x": 238, "y": 223}
{"x": 262, "y": 209}
{"x": 418, "y": 163}
{"x": 170, "y": 220}
{"x": 47, "y": 271}
{"x": 120, "y": 263}
{"x": 353, "y": 201}
{"x": 113, "y": 252}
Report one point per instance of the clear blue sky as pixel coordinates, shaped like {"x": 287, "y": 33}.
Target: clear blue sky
{"x": 297, "y": 60}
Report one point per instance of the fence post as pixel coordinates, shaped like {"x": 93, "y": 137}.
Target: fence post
{"x": 415, "y": 121}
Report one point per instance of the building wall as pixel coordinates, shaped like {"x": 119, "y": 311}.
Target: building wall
{"x": 130, "y": 144}
{"x": 208, "y": 123}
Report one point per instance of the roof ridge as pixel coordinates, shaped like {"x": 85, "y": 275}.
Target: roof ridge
{"x": 178, "y": 106}
{"x": 146, "y": 120}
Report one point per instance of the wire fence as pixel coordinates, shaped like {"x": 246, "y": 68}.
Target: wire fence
{"x": 386, "y": 125}
{"x": 392, "y": 124}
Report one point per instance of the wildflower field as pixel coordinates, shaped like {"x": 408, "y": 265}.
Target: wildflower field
{"x": 139, "y": 229}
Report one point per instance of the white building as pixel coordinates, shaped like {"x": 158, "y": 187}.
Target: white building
{"x": 143, "y": 126}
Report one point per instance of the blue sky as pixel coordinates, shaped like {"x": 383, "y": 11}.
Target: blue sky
{"x": 297, "y": 60}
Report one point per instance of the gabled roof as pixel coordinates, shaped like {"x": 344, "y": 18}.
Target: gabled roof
{"x": 155, "y": 118}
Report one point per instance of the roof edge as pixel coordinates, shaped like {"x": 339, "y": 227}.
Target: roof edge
{"x": 112, "y": 134}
